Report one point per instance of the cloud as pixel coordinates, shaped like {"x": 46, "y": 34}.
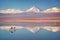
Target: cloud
{"x": 10, "y": 11}
{"x": 54, "y": 9}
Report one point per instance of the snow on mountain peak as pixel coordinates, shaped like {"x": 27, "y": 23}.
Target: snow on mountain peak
{"x": 11, "y": 11}
{"x": 33, "y": 9}
{"x": 54, "y": 9}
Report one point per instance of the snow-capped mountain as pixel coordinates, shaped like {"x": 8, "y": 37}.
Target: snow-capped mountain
{"x": 54, "y": 9}
{"x": 33, "y": 9}
{"x": 13, "y": 11}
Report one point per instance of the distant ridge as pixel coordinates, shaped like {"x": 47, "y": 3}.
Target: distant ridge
{"x": 8, "y": 11}
{"x": 50, "y": 10}
{"x": 32, "y": 9}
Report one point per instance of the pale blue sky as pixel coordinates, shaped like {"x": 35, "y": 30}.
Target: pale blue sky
{"x": 25, "y": 4}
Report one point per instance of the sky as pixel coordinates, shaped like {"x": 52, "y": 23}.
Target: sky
{"x": 26, "y": 4}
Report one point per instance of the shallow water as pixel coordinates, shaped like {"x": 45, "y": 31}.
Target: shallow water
{"x": 29, "y": 33}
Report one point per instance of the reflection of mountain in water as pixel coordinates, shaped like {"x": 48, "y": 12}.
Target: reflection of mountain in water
{"x": 32, "y": 29}
{"x": 23, "y": 34}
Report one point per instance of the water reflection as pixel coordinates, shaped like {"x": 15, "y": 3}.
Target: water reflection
{"x": 32, "y": 29}
{"x": 12, "y": 29}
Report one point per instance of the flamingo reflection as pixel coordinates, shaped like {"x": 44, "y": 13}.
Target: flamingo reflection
{"x": 12, "y": 29}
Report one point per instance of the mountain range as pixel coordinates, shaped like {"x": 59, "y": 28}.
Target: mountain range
{"x": 33, "y": 9}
